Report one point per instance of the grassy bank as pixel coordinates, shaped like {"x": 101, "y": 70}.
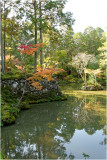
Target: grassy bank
{"x": 75, "y": 90}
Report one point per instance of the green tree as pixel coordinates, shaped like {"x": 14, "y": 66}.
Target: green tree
{"x": 10, "y": 26}
{"x": 102, "y": 56}
{"x": 49, "y": 16}
{"x": 89, "y": 41}
{"x": 77, "y": 37}
{"x": 1, "y": 48}
{"x": 6, "y": 6}
{"x": 61, "y": 48}
{"x": 92, "y": 40}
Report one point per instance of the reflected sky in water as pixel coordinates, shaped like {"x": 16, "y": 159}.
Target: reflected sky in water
{"x": 58, "y": 130}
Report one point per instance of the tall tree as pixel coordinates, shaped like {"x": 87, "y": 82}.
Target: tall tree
{"x": 7, "y": 6}
{"x": 4, "y": 35}
{"x": 89, "y": 41}
{"x": 92, "y": 40}
{"x": 47, "y": 17}
{"x": 1, "y": 47}
{"x": 35, "y": 28}
{"x": 41, "y": 39}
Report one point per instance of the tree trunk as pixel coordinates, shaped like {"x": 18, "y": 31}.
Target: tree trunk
{"x": 71, "y": 65}
{"x": 35, "y": 55}
{"x": 85, "y": 80}
{"x": 95, "y": 80}
{"x": 41, "y": 39}
{"x": 71, "y": 69}
{"x": 1, "y": 47}
{"x": 4, "y": 44}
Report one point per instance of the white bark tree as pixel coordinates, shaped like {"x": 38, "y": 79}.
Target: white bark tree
{"x": 80, "y": 62}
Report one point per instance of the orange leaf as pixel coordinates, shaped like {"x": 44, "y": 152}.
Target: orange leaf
{"x": 58, "y": 119}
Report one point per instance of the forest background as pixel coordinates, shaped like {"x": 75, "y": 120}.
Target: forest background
{"x": 82, "y": 55}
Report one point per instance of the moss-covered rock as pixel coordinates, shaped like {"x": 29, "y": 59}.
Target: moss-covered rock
{"x": 14, "y": 75}
{"x": 92, "y": 88}
{"x": 8, "y": 114}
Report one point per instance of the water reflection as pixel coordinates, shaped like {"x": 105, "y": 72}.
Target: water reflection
{"x": 55, "y": 130}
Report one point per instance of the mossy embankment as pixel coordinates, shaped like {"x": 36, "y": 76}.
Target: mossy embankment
{"x": 12, "y": 90}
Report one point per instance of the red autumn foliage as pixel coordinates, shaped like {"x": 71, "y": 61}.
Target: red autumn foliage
{"x": 29, "y": 45}
{"x": 40, "y": 72}
{"x": 29, "y": 49}
{"x": 24, "y": 47}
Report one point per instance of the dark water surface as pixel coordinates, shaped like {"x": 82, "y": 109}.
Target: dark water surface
{"x": 58, "y": 130}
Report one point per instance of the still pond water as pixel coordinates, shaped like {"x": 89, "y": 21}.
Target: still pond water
{"x": 59, "y": 130}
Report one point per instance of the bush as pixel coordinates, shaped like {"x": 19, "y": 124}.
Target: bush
{"x": 7, "y": 116}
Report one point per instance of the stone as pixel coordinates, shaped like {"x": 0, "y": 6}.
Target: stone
{"x": 14, "y": 85}
{"x": 17, "y": 86}
{"x": 92, "y": 88}
{"x": 21, "y": 84}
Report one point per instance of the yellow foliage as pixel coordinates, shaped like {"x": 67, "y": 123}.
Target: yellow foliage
{"x": 37, "y": 85}
{"x": 8, "y": 57}
{"x": 20, "y": 68}
{"x": 51, "y": 124}
{"x": 95, "y": 72}
{"x": 42, "y": 74}
{"x": 58, "y": 119}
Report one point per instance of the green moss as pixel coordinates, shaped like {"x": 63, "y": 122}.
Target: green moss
{"x": 52, "y": 93}
{"x": 7, "y": 95}
{"x": 93, "y": 87}
{"x": 44, "y": 97}
{"x": 63, "y": 98}
{"x": 1, "y": 157}
{"x": 7, "y": 117}
{"x": 42, "y": 100}
{"x": 49, "y": 99}
{"x": 14, "y": 110}
{"x": 8, "y": 114}
{"x": 24, "y": 106}
{"x": 29, "y": 97}
{"x": 16, "y": 75}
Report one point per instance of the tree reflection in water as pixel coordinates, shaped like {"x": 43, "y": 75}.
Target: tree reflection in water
{"x": 42, "y": 131}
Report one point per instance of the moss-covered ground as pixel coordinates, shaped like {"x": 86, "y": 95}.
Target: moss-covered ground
{"x": 75, "y": 90}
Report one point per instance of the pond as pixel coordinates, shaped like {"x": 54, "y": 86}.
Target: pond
{"x": 59, "y": 130}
